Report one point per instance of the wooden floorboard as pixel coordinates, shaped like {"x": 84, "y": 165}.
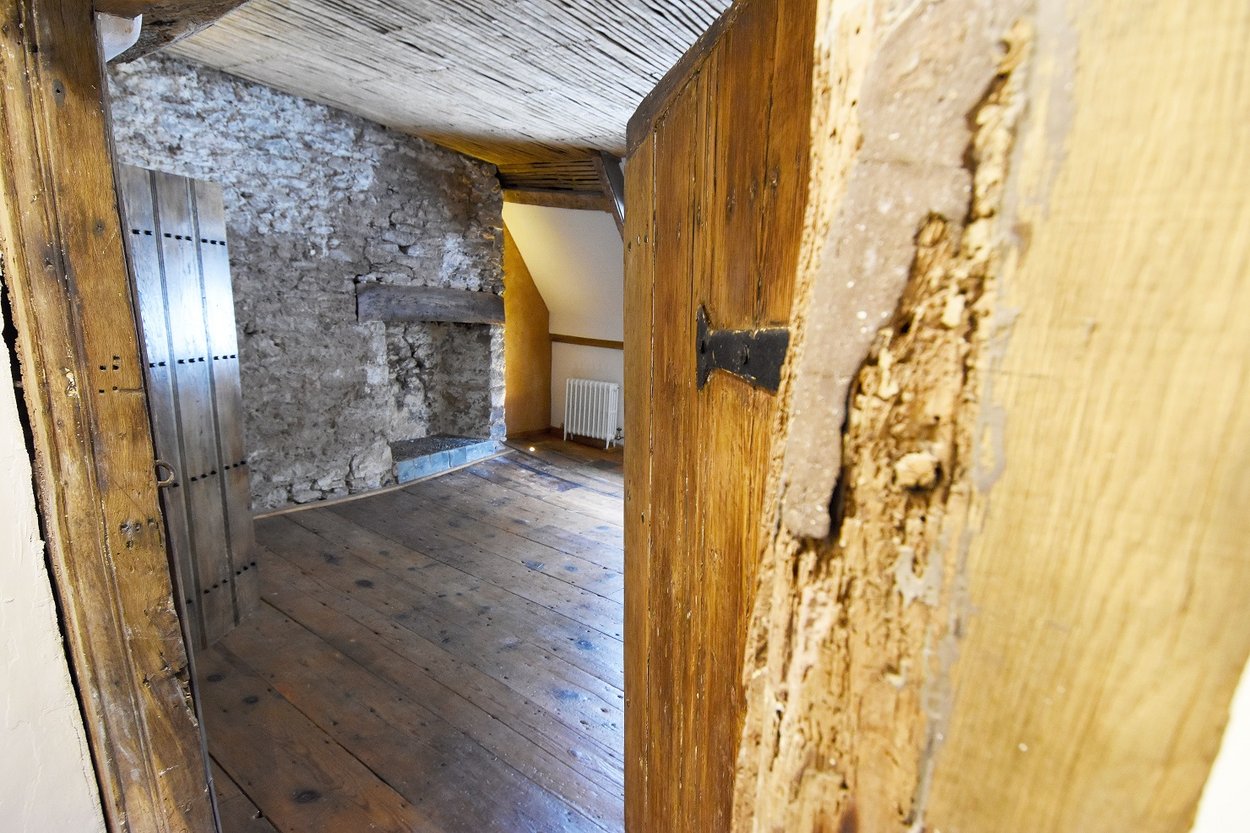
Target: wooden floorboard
{"x": 238, "y": 813}
{"x": 575, "y": 464}
{"x": 444, "y": 657}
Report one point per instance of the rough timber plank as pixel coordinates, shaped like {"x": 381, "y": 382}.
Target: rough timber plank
{"x": 64, "y": 268}
{"x": 554, "y": 491}
{"x": 520, "y": 511}
{"x": 501, "y": 636}
{"x": 1032, "y": 605}
{"x": 719, "y": 161}
{"x": 135, "y": 185}
{"x": 380, "y": 723}
{"x": 371, "y": 635}
{"x": 545, "y": 460}
{"x": 547, "y": 555}
{"x": 166, "y": 21}
{"x": 237, "y": 812}
{"x": 199, "y": 481}
{"x": 378, "y": 302}
{"x": 557, "y": 198}
{"x": 558, "y": 631}
{"x": 565, "y": 764}
{"x": 289, "y": 766}
{"x": 406, "y": 661}
{"x": 497, "y": 557}
{"x": 223, "y": 346}
{"x": 639, "y": 251}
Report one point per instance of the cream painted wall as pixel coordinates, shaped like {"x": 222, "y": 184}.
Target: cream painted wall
{"x": 46, "y": 779}
{"x": 578, "y": 263}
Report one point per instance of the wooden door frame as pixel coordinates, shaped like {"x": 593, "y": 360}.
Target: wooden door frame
{"x": 65, "y": 271}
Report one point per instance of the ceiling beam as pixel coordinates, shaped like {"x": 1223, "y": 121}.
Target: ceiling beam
{"x": 554, "y": 198}
{"x": 612, "y": 177}
{"x": 166, "y": 21}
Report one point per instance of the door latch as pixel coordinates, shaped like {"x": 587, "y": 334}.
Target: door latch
{"x": 753, "y": 355}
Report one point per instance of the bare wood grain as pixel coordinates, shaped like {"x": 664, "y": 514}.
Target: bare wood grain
{"x": 379, "y": 302}
{"x": 135, "y": 185}
{"x": 1033, "y": 597}
{"x": 65, "y": 271}
{"x": 237, "y": 812}
{"x": 612, "y": 179}
{"x": 288, "y": 774}
{"x": 555, "y": 198}
{"x": 166, "y": 21}
{"x": 1110, "y": 576}
{"x": 718, "y": 230}
{"x": 607, "y": 344}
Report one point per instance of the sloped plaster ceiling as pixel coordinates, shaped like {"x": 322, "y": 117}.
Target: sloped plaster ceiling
{"x": 513, "y": 82}
{"x": 577, "y": 261}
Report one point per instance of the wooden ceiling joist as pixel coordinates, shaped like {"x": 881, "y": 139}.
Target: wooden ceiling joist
{"x": 612, "y": 181}
{"x": 557, "y": 198}
{"x": 166, "y": 21}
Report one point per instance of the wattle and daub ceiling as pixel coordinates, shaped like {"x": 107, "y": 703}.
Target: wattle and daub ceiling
{"x": 537, "y": 87}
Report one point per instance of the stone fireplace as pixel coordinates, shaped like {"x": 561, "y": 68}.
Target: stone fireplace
{"x": 318, "y": 204}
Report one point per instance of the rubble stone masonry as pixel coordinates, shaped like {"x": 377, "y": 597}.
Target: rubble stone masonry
{"x": 317, "y": 201}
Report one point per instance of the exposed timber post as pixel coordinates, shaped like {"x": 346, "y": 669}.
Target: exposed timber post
{"x": 65, "y": 273}
{"x": 1004, "y": 583}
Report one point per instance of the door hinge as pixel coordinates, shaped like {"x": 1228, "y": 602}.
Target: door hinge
{"x": 754, "y": 355}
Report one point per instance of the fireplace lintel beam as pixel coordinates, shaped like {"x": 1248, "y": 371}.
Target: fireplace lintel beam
{"x": 398, "y": 304}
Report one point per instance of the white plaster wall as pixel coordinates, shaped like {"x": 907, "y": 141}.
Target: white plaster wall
{"x": 46, "y": 779}
{"x": 578, "y": 263}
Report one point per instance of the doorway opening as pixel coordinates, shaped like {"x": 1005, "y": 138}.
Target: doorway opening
{"x": 432, "y": 600}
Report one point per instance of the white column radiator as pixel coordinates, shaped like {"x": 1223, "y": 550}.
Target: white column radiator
{"x": 591, "y": 408}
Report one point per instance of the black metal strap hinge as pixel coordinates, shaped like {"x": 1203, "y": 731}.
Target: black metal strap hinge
{"x": 753, "y": 355}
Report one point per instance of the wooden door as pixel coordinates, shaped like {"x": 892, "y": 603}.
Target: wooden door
{"x": 64, "y": 270}
{"x": 177, "y": 244}
{"x": 715, "y": 190}
{"x": 979, "y": 565}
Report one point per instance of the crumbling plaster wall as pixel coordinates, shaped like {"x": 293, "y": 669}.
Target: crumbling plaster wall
{"x": 318, "y": 200}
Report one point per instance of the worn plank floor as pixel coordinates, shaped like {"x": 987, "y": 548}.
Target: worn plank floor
{"x": 443, "y": 657}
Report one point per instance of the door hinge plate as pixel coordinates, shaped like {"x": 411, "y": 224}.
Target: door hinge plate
{"x": 754, "y": 355}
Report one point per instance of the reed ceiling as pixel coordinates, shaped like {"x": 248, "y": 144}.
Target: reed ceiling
{"x": 530, "y": 85}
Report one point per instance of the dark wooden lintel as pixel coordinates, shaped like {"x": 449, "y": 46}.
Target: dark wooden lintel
{"x": 552, "y": 198}
{"x": 607, "y": 344}
{"x": 165, "y": 21}
{"x": 612, "y": 178}
{"x": 380, "y": 302}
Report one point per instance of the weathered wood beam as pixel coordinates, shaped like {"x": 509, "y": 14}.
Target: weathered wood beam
{"x": 606, "y": 344}
{"x": 166, "y": 21}
{"x": 378, "y": 302}
{"x": 613, "y": 180}
{"x": 82, "y": 381}
{"x": 1007, "y": 582}
{"x": 578, "y": 200}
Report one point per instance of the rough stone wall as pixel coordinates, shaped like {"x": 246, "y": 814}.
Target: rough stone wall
{"x": 318, "y": 200}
